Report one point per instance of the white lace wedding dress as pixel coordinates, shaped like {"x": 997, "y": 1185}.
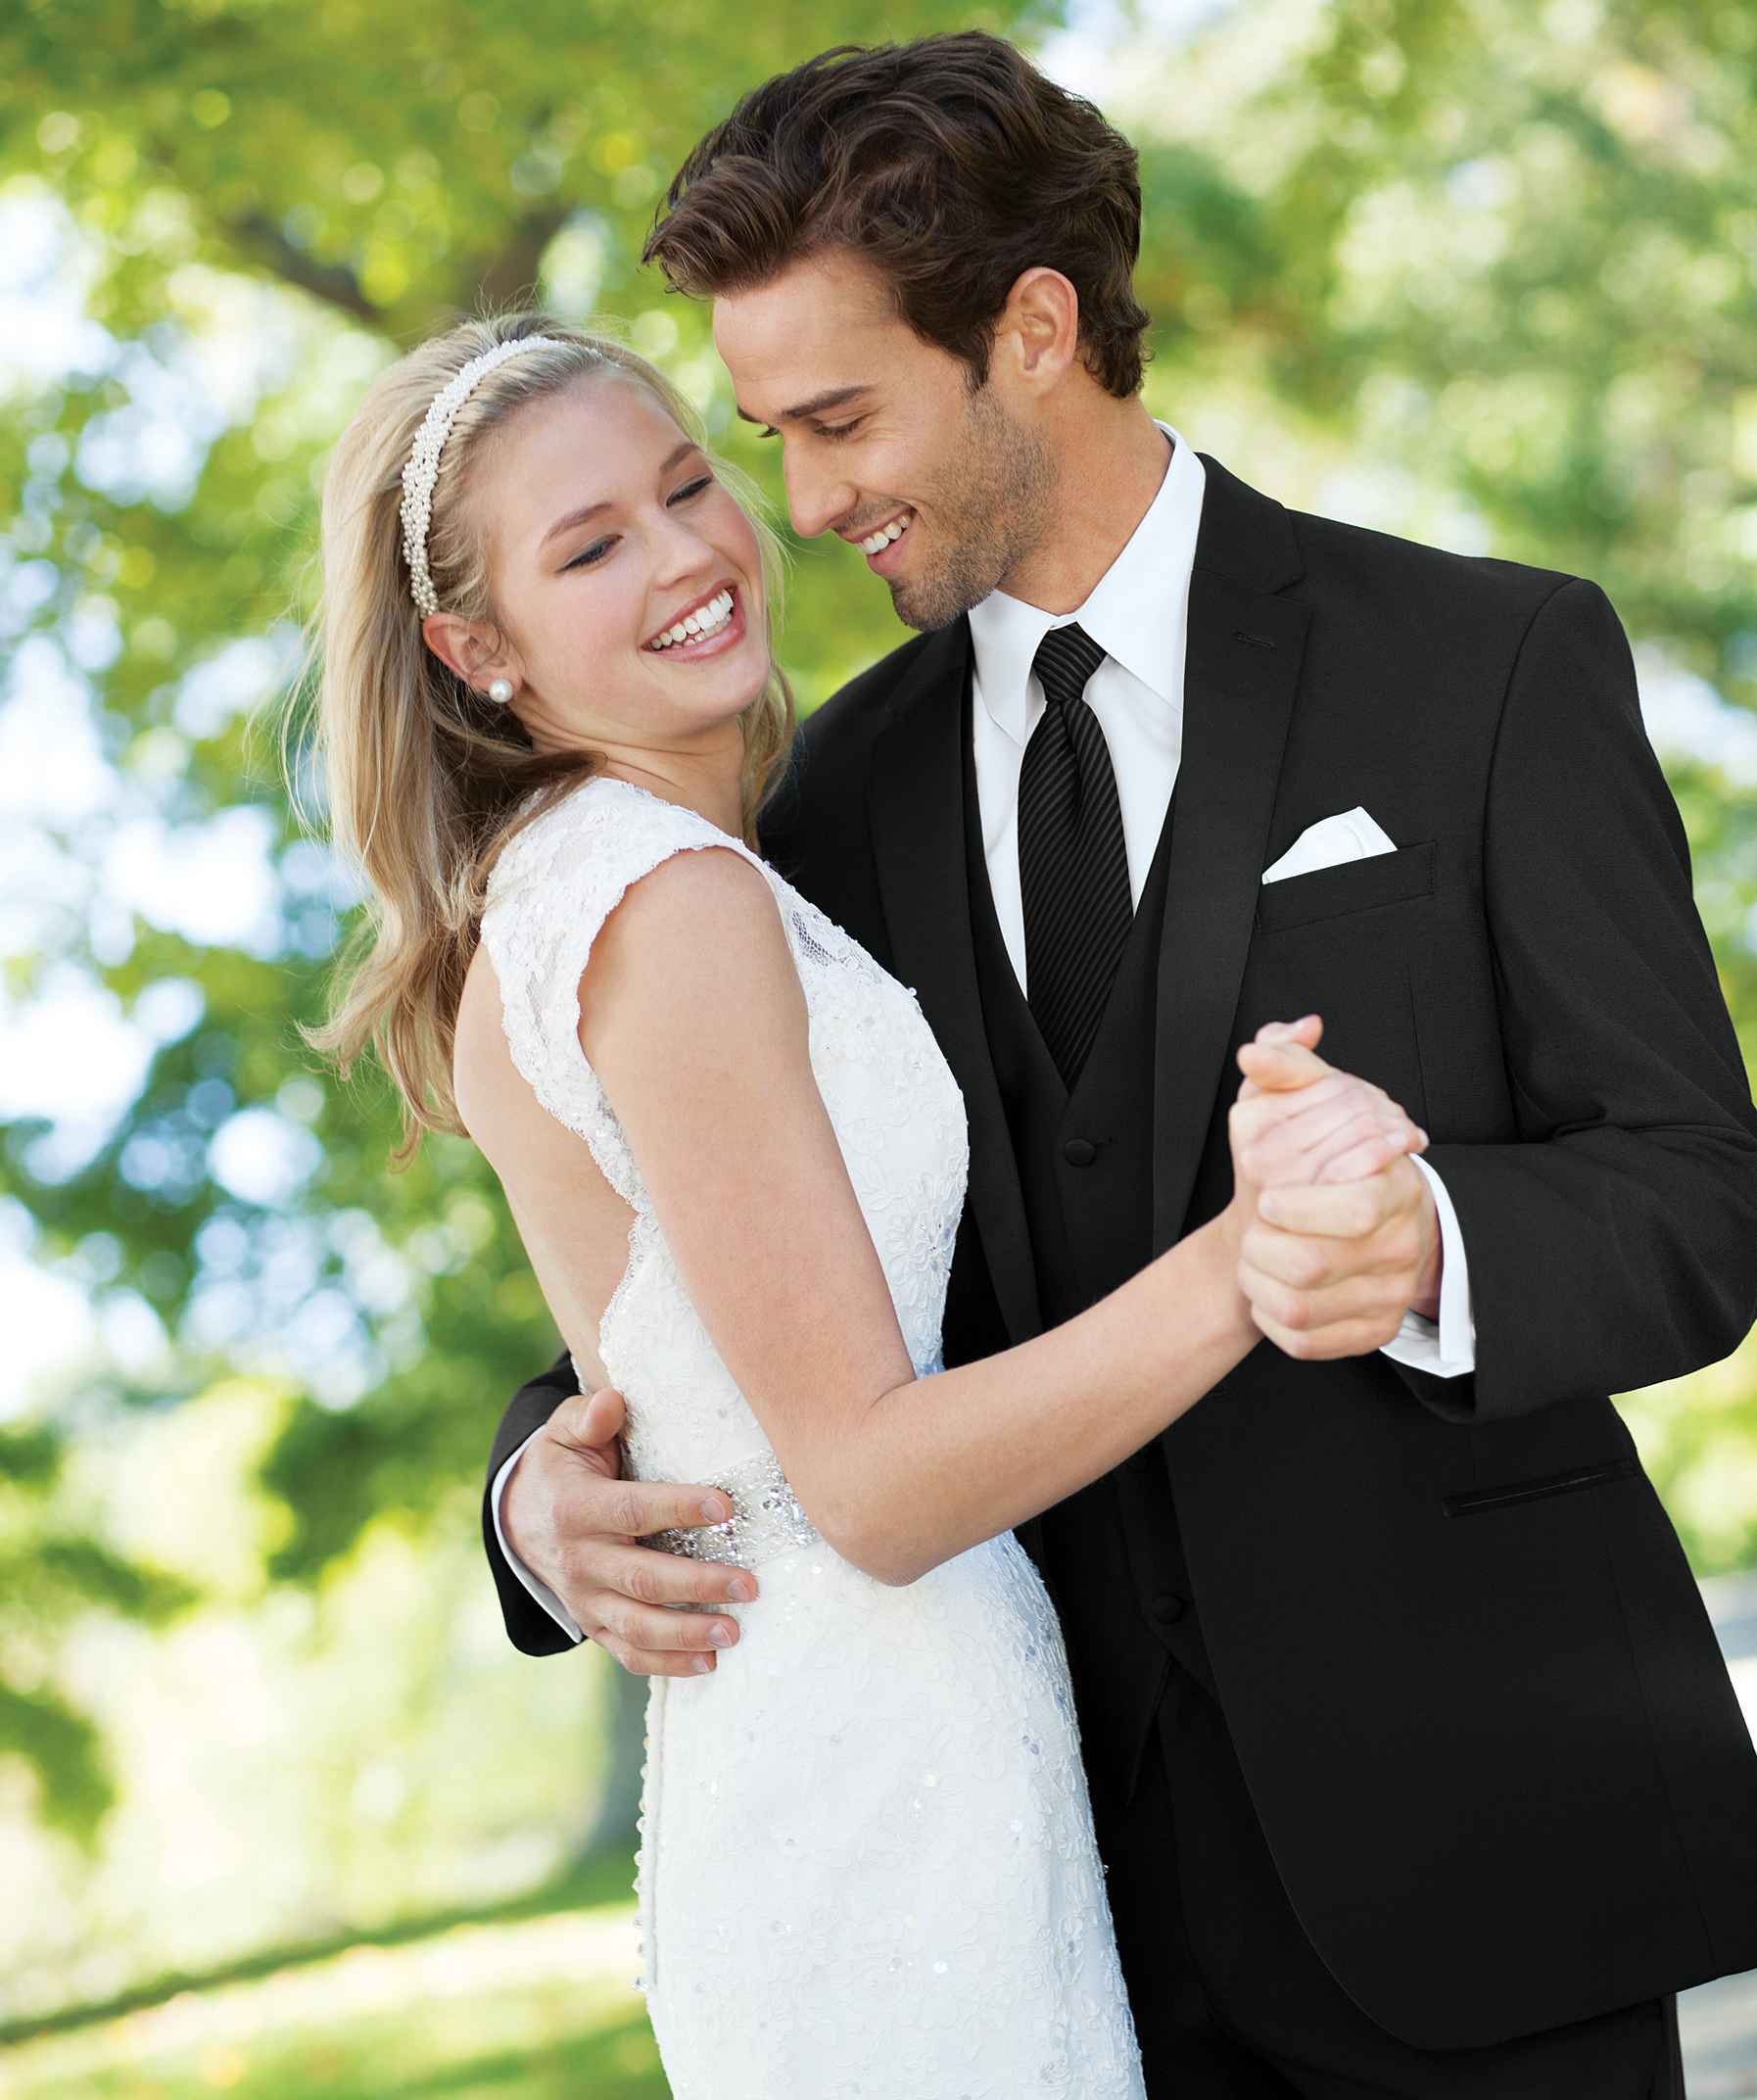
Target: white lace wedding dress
{"x": 868, "y": 1866}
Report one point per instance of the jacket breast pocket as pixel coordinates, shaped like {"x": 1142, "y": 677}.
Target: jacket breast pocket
{"x": 1357, "y": 885}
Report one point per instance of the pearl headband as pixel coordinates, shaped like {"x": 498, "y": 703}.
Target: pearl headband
{"x": 422, "y": 471}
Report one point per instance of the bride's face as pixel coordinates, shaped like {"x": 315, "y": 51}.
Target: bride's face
{"x": 607, "y": 532}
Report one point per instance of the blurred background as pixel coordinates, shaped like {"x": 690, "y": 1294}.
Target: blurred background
{"x": 280, "y": 1812}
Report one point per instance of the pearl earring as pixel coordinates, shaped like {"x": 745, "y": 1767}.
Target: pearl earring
{"x": 500, "y": 692}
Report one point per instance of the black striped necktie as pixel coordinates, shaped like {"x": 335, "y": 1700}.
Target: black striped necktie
{"x": 1073, "y": 862}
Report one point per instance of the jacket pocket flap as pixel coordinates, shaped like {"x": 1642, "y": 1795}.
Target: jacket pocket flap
{"x": 1481, "y": 1501}
{"x": 1357, "y": 885}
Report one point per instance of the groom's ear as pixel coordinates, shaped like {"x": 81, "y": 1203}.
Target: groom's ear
{"x": 1038, "y": 335}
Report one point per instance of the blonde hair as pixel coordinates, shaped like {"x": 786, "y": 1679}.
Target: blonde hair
{"x": 427, "y": 779}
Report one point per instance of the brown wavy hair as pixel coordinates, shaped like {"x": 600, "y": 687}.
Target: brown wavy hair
{"x": 950, "y": 164}
{"x": 426, "y": 779}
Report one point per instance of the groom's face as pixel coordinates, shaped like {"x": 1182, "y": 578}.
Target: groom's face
{"x": 883, "y": 443}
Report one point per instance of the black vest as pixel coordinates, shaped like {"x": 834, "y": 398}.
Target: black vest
{"x": 1111, "y": 1554}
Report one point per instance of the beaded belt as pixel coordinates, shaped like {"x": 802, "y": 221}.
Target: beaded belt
{"x": 766, "y": 1519}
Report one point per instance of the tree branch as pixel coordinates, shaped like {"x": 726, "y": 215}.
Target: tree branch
{"x": 510, "y": 278}
{"x": 333, "y": 282}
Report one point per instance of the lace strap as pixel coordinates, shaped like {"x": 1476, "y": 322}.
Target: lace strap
{"x": 550, "y": 892}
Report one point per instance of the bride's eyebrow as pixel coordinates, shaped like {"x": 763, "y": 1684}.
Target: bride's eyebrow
{"x": 575, "y": 519}
{"x": 819, "y": 404}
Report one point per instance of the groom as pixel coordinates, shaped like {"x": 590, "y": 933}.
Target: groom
{"x": 1414, "y": 1763}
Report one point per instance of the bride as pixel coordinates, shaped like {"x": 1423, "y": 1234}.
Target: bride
{"x": 737, "y": 1159}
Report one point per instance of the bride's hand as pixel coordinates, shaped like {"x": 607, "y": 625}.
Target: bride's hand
{"x": 1336, "y": 1230}
{"x": 1298, "y": 1121}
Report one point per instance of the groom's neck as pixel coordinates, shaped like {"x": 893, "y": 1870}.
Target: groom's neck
{"x": 1111, "y": 458}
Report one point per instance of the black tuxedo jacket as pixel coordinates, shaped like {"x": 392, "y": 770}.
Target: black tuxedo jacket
{"x": 1469, "y": 1680}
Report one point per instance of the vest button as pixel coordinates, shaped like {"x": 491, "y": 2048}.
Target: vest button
{"x": 1167, "y": 1609}
{"x": 1079, "y": 1152}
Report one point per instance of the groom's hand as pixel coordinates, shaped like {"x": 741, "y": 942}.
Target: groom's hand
{"x": 576, "y": 1524}
{"x": 1346, "y": 1238}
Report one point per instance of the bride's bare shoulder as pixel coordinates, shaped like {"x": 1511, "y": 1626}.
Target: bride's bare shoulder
{"x": 690, "y": 908}
{"x": 691, "y": 978}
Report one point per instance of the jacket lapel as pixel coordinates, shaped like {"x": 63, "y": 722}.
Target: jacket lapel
{"x": 917, "y": 803}
{"x": 1241, "y": 672}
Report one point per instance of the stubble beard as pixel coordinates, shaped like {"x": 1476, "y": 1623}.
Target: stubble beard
{"x": 995, "y": 504}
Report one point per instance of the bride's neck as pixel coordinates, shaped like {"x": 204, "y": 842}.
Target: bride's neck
{"x": 709, "y": 781}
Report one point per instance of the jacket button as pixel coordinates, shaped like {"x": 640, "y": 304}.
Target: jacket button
{"x": 1079, "y": 1152}
{"x": 1166, "y": 1610}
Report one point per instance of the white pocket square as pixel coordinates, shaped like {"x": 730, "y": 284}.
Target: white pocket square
{"x": 1354, "y": 835}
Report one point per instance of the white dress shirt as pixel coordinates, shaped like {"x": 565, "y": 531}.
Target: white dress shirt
{"x": 1138, "y": 613}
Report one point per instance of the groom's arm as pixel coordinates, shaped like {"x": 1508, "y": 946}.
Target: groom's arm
{"x": 532, "y": 1625}
{"x": 1614, "y": 1244}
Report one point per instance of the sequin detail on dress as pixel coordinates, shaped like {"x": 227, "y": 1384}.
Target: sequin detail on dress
{"x": 868, "y": 1870}
{"x": 766, "y": 1519}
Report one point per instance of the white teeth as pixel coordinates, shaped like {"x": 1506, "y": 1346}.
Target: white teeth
{"x": 885, "y": 534}
{"x": 706, "y": 620}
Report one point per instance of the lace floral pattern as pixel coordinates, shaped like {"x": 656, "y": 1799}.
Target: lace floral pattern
{"x": 868, "y": 1870}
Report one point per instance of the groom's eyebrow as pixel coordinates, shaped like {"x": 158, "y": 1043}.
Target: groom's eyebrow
{"x": 818, "y": 405}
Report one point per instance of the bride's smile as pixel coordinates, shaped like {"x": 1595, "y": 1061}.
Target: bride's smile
{"x": 704, "y": 628}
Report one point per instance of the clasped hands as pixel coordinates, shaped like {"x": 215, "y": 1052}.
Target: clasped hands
{"x": 1337, "y": 1239}
{"x": 1345, "y": 1238}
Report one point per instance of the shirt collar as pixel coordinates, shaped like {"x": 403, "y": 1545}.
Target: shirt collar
{"x": 1135, "y": 614}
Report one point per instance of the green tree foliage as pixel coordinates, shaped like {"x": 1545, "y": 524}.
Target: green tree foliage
{"x": 1496, "y": 260}
{"x": 49, "y": 1570}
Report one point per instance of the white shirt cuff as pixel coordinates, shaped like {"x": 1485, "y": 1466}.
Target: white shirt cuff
{"x": 544, "y": 1595}
{"x": 1445, "y": 1347}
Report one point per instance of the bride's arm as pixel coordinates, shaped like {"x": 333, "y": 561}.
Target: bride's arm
{"x": 694, "y": 1019}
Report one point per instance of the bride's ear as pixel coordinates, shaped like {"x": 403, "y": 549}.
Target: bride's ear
{"x": 471, "y": 648}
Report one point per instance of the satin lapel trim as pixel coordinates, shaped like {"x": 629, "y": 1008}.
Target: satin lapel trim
{"x": 1238, "y": 702}
{"x": 916, "y": 802}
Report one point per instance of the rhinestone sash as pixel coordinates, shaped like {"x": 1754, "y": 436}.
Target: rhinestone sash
{"x": 766, "y": 1519}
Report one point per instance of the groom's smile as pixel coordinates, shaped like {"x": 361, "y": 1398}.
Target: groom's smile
{"x": 886, "y": 441}
{"x": 886, "y": 536}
